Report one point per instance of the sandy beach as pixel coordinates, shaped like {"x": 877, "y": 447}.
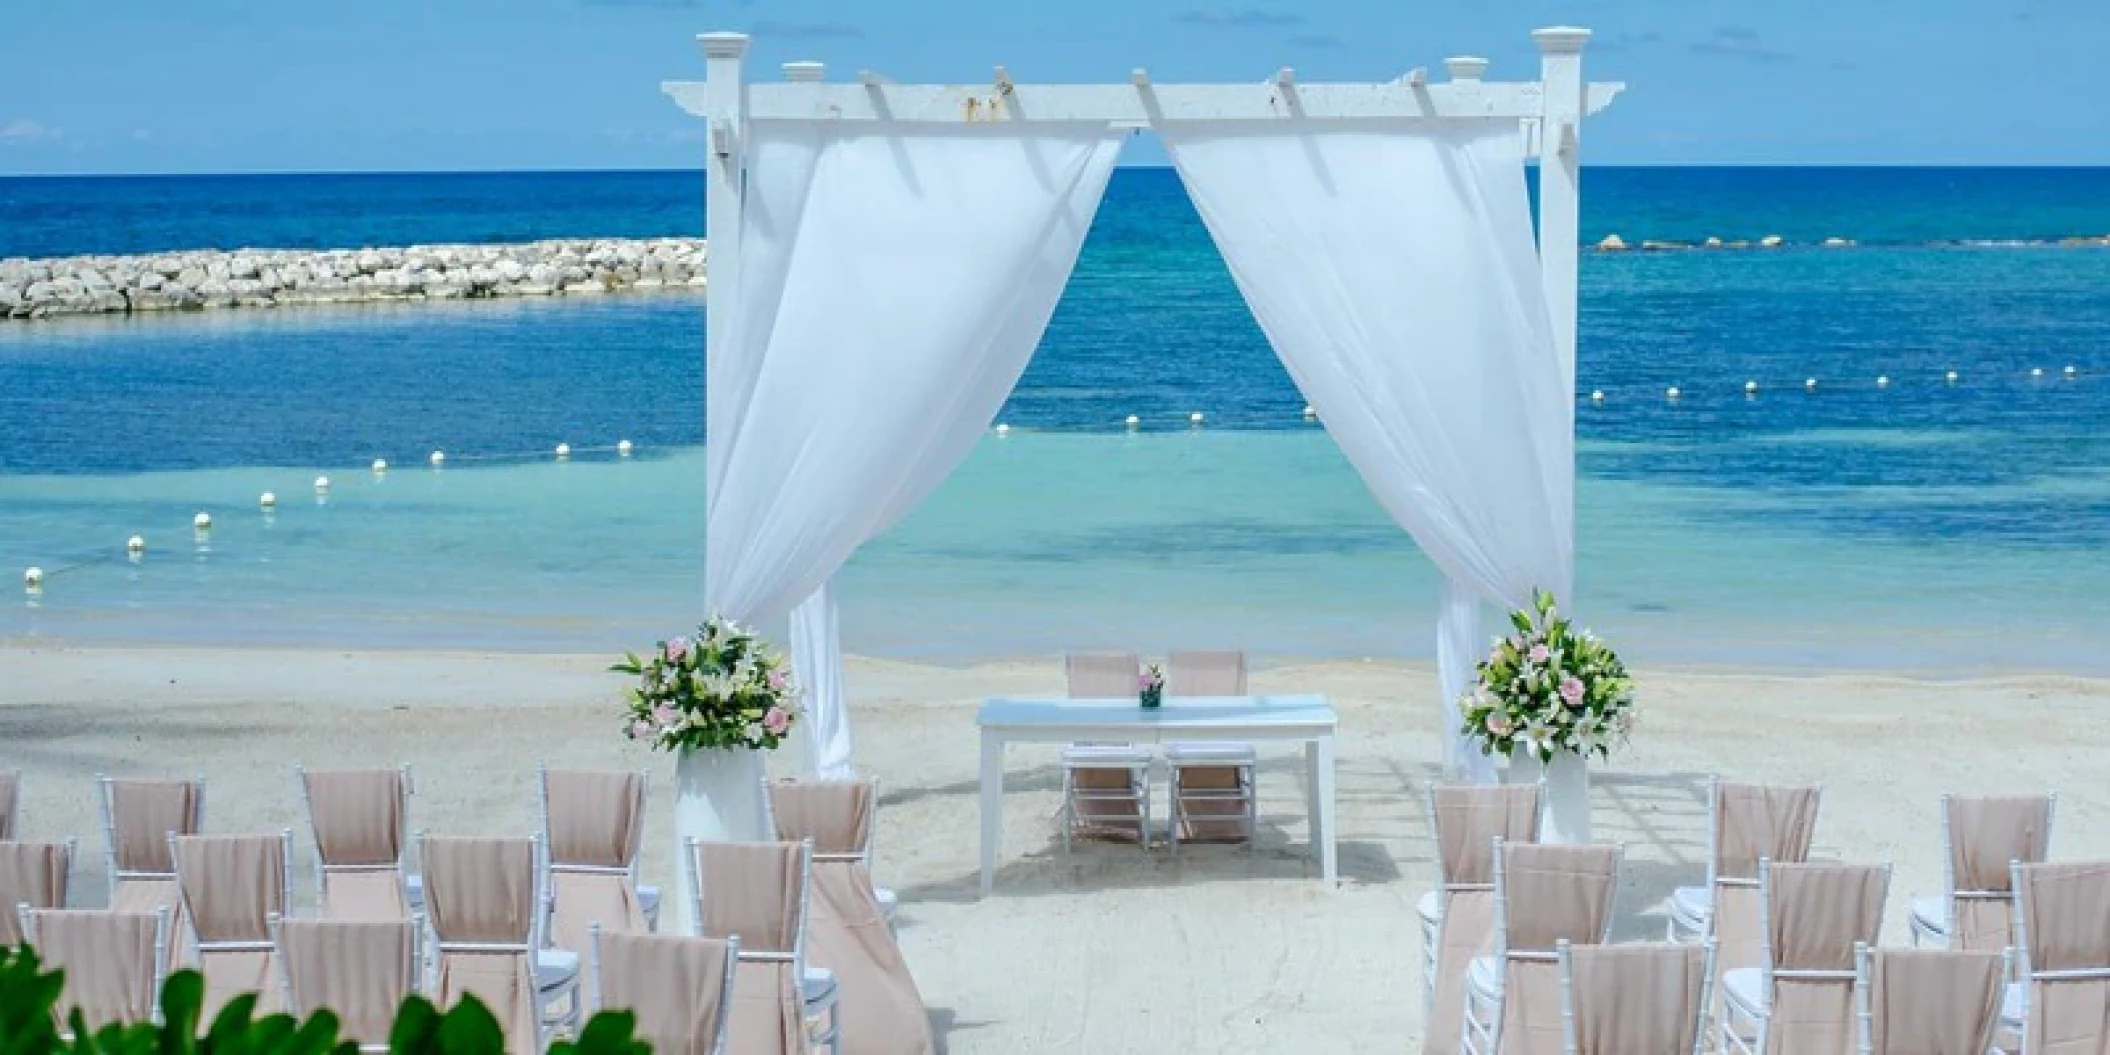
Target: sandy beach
{"x": 1111, "y": 950}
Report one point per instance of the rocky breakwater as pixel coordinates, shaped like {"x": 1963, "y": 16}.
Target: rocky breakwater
{"x": 264, "y": 278}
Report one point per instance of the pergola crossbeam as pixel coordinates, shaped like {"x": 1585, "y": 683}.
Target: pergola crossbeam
{"x": 872, "y": 99}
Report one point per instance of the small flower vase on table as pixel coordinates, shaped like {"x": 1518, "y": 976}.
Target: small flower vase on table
{"x": 1549, "y": 697}
{"x": 717, "y": 701}
{"x": 1150, "y": 688}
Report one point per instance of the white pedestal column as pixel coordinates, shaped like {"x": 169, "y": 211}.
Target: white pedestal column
{"x": 717, "y": 798}
{"x": 1564, "y": 794}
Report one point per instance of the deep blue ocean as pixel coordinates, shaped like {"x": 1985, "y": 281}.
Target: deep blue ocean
{"x": 1946, "y": 524}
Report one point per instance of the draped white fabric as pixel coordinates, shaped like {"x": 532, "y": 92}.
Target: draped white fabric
{"x": 892, "y": 281}
{"x": 1392, "y": 266}
{"x": 817, "y": 656}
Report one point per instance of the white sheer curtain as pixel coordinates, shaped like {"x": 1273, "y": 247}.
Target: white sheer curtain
{"x": 1392, "y": 266}
{"x": 892, "y": 281}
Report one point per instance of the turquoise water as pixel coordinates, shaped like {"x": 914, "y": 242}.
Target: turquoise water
{"x": 1936, "y": 526}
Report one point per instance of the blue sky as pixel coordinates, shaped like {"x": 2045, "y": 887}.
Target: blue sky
{"x": 242, "y": 85}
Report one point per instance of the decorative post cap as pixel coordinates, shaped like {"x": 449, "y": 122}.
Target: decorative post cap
{"x": 1465, "y": 67}
{"x": 1560, "y": 40}
{"x": 722, "y": 45}
{"x": 805, "y": 72}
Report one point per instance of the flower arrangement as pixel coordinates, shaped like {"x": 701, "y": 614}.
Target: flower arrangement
{"x": 1150, "y": 687}
{"x": 723, "y": 688}
{"x": 1549, "y": 688}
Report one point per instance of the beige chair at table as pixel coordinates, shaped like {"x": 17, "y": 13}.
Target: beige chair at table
{"x": 1105, "y": 787}
{"x": 1213, "y": 794}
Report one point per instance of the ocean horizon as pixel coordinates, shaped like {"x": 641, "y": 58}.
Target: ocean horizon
{"x": 1921, "y": 524}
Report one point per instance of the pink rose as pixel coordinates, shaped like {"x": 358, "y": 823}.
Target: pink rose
{"x": 640, "y": 730}
{"x": 1572, "y": 690}
{"x": 664, "y": 714}
{"x": 776, "y": 720}
{"x": 776, "y": 680}
{"x": 1540, "y": 653}
{"x": 1499, "y": 724}
{"x": 677, "y": 648}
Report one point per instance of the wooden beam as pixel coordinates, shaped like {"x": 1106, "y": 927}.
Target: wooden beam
{"x": 1123, "y": 104}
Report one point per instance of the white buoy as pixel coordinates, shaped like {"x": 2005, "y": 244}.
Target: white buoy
{"x": 1003, "y": 429}
{"x": 2070, "y": 371}
{"x": 1597, "y": 396}
{"x": 267, "y": 500}
{"x": 322, "y": 485}
{"x": 1952, "y": 377}
{"x": 2036, "y": 371}
{"x": 135, "y": 544}
{"x": 380, "y": 465}
{"x": 439, "y": 458}
{"x": 202, "y": 521}
{"x": 1883, "y": 382}
{"x": 1134, "y": 421}
{"x": 1195, "y": 418}
{"x": 1750, "y": 388}
{"x": 1810, "y": 385}
{"x": 33, "y": 579}
{"x": 564, "y": 450}
{"x": 623, "y": 448}
{"x": 1309, "y": 412}
{"x": 1671, "y": 392}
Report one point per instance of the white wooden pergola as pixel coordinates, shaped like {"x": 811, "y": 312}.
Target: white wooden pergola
{"x": 1551, "y": 110}
{"x": 784, "y": 565}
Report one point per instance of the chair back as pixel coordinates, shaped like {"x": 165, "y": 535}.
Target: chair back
{"x": 1634, "y": 999}
{"x": 1814, "y": 915}
{"x": 1197, "y": 673}
{"x": 32, "y": 874}
{"x": 1468, "y": 819}
{"x": 2062, "y": 936}
{"x": 138, "y": 818}
{"x": 10, "y": 802}
{"x": 362, "y": 969}
{"x": 1982, "y": 837}
{"x": 233, "y": 887}
{"x": 114, "y": 962}
{"x": 680, "y": 988}
{"x": 359, "y": 817}
{"x": 836, "y": 816}
{"x": 1928, "y": 1001}
{"x": 1545, "y": 895}
{"x": 756, "y": 892}
{"x": 1097, "y": 675}
{"x": 483, "y": 903}
{"x": 593, "y": 822}
{"x": 1751, "y": 822}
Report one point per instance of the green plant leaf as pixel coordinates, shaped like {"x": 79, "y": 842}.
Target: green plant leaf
{"x": 470, "y": 1029}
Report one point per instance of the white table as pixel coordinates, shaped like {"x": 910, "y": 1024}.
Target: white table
{"x": 1306, "y": 719}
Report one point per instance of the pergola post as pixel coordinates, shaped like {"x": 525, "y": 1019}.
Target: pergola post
{"x": 1560, "y": 181}
{"x": 725, "y": 128}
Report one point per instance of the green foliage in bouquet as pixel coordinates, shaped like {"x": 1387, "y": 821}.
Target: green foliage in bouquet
{"x": 1549, "y": 688}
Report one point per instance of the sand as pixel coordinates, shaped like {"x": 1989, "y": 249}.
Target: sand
{"x": 1111, "y": 950}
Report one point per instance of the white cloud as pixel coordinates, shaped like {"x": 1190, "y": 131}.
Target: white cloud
{"x": 22, "y": 132}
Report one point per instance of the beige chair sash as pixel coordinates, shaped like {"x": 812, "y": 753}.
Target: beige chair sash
{"x": 360, "y": 969}
{"x": 1986, "y": 835}
{"x": 232, "y": 885}
{"x": 1550, "y": 894}
{"x": 10, "y": 801}
{"x": 580, "y": 900}
{"x": 674, "y": 985}
{"x": 32, "y": 874}
{"x": 754, "y": 892}
{"x": 1637, "y": 999}
{"x": 358, "y": 815}
{"x": 2065, "y": 915}
{"x": 481, "y": 892}
{"x": 108, "y": 960}
{"x": 879, "y": 1008}
{"x": 1198, "y": 673}
{"x": 1753, "y": 822}
{"x": 596, "y": 818}
{"x": 1934, "y": 1002}
{"x": 1097, "y": 675}
{"x": 837, "y": 815}
{"x": 768, "y": 1017}
{"x": 1468, "y": 819}
{"x": 143, "y": 813}
{"x": 1816, "y": 915}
